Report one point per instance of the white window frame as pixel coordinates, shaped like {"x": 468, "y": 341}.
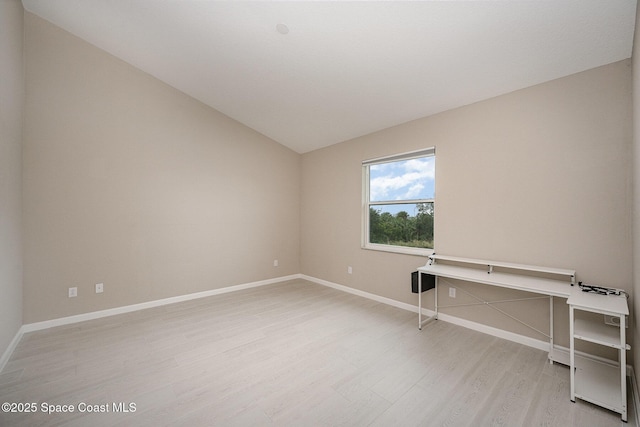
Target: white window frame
{"x": 366, "y": 203}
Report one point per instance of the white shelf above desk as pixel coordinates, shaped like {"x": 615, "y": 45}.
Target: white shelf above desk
{"x": 507, "y": 265}
{"x": 521, "y": 282}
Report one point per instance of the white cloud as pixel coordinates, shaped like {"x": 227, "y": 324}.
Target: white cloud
{"x": 402, "y": 180}
{"x": 414, "y": 191}
{"x": 420, "y": 165}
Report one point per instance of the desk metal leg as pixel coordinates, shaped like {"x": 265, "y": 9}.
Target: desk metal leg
{"x": 421, "y": 322}
{"x": 419, "y": 301}
{"x": 623, "y": 367}
{"x": 572, "y": 361}
{"x": 435, "y": 299}
{"x": 551, "y": 347}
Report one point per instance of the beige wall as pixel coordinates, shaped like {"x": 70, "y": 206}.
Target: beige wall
{"x": 539, "y": 176}
{"x": 130, "y": 183}
{"x": 11, "y": 117}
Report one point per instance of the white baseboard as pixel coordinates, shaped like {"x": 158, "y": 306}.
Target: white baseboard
{"x": 364, "y": 294}
{"x": 30, "y": 327}
{"x": 9, "y": 351}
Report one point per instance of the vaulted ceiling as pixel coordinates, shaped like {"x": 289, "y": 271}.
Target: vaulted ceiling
{"x": 311, "y": 74}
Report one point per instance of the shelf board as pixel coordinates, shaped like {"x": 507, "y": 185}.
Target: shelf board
{"x": 604, "y": 304}
{"x": 599, "y": 383}
{"x": 525, "y": 283}
{"x": 526, "y": 267}
{"x": 596, "y": 332}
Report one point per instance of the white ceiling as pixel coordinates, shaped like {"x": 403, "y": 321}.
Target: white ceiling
{"x": 346, "y": 69}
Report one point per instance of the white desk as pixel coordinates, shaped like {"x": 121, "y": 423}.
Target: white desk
{"x": 509, "y": 276}
{"x": 591, "y": 380}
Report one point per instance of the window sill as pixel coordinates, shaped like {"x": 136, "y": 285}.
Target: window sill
{"x": 398, "y": 249}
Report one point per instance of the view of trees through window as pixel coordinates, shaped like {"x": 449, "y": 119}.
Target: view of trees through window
{"x": 400, "y": 197}
{"x": 411, "y": 226}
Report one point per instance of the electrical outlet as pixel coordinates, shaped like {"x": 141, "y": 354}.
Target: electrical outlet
{"x": 99, "y": 288}
{"x": 73, "y": 292}
{"x": 349, "y": 270}
{"x": 452, "y": 292}
{"x": 275, "y": 262}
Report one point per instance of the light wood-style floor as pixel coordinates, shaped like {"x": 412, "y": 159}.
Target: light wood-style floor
{"x": 294, "y": 353}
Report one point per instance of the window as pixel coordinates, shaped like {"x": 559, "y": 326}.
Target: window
{"x": 399, "y": 202}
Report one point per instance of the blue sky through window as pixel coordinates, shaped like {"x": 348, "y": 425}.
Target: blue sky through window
{"x": 403, "y": 180}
